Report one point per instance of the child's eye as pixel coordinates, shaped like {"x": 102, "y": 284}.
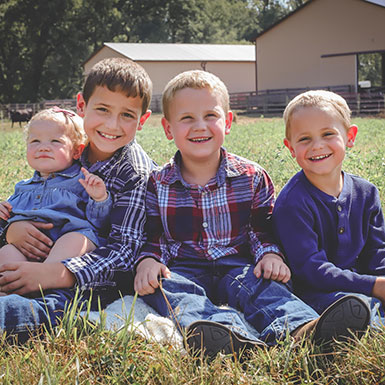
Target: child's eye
{"x": 101, "y": 109}
{"x": 211, "y": 115}
{"x": 328, "y": 133}
{"x": 304, "y": 139}
{"x": 128, "y": 115}
{"x": 34, "y": 141}
{"x": 55, "y": 141}
{"x": 187, "y": 117}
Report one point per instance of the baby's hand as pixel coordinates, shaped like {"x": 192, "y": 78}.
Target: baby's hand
{"x": 94, "y": 186}
{"x": 273, "y": 267}
{"x": 5, "y": 210}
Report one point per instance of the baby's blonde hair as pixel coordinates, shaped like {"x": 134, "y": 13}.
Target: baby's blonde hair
{"x": 195, "y": 79}
{"x": 72, "y": 122}
{"x": 324, "y": 100}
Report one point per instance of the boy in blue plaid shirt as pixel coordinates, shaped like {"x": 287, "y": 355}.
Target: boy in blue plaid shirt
{"x": 114, "y": 105}
{"x": 209, "y": 236}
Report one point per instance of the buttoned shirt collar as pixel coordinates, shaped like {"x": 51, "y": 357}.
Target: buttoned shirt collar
{"x": 228, "y": 168}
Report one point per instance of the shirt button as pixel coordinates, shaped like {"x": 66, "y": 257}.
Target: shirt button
{"x": 38, "y": 196}
{"x": 209, "y": 252}
{"x": 205, "y": 224}
{"x": 341, "y": 230}
{"x": 339, "y": 208}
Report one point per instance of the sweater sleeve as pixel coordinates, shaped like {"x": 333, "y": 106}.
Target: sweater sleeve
{"x": 372, "y": 257}
{"x": 295, "y": 224}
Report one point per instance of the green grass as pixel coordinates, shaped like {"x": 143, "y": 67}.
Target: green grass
{"x": 78, "y": 352}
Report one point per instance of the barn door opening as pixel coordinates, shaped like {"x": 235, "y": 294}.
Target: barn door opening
{"x": 371, "y": 70}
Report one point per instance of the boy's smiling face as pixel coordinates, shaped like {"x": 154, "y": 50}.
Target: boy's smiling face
{"x": 318, "y": 140}
{"x": 110, "y": 121}
{"x": 198, "y": 124}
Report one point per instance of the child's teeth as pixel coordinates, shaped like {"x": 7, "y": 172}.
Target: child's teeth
{"x": 108, "y": 136}
{"x": 199, "y": 140}
{"x": 320, "y": 157}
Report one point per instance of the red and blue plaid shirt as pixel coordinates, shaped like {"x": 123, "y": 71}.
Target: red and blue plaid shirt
{"x": 231, "y": 215}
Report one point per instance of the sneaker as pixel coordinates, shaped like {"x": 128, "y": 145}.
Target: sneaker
{"x": 212, "y": 338}
{"x": 349, "y": 314}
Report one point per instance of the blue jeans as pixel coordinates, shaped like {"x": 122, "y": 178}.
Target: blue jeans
{"x": 197, "y": 287}
{"x": 22, "y": 316}
{"x": 320, "y": 301}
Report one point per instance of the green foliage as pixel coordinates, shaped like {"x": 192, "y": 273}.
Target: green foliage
{"x": 43, "y": 43}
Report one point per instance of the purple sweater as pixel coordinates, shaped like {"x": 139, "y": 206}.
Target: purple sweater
{"x": 332, "y": 244}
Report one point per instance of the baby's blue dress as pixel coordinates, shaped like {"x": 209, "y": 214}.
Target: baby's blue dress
{"x": 60, "y": 199}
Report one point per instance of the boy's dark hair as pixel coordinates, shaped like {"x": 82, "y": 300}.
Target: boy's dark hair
{"x": 122, "y": 75}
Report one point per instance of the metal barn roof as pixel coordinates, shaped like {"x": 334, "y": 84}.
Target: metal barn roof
{"x": 185, "y": 52}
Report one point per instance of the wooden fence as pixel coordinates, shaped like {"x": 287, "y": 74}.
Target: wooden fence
{"x": 267, "y": 103}
{"x": 273, "y": 102}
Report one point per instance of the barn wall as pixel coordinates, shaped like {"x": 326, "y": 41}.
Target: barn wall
{"x": 290, "y": 54}
{"x": 238, "y": 77}
{"x": 104, "y": 53}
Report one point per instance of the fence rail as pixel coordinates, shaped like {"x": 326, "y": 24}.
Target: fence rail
{"x": 267, "y": 103}
{"x": 273, "y": 102}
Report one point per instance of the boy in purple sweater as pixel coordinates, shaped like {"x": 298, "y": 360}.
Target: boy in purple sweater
{"x": 330, "y": 223}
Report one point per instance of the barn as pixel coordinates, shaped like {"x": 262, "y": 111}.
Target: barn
{"x": 234, "y": 64}
{"x": 318, "y": 44}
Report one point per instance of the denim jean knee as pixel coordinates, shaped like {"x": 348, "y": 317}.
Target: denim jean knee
{"x": 22, "y": 317}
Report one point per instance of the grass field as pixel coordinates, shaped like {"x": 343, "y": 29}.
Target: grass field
{"x": 77, "y": 352}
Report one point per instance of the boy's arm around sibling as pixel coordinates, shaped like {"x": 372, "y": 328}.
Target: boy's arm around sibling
{"x": 125, "y": 176}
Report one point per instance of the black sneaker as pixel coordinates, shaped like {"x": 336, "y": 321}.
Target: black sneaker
{"x": 213, "y": 338}
{"x": 349, "y": 314}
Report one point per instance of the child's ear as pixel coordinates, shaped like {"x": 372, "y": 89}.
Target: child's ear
{"x": 78, "y": 151}
{"x": 143, "y": 119}
{"x": 352, "y": 133}
{"x": 80, "y": 104}
{"x": 167, "y": 128}
{"x": 286, "y": 142}
{"x": 229, "y": 120}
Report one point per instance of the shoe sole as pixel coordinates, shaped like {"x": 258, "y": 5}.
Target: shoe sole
{"x": 213, "y": 338}
{"x": 347, "y": 315}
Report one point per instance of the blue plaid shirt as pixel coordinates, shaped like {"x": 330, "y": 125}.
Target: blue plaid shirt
{"x": 125, "y": 176}
{"x": 230, "y": 215}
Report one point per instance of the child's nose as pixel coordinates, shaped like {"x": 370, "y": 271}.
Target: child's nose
{"x": 44, "y": 147}
{"x": 199, "y": 125}
{"x": 112, "y": 122}
{"x": 317, "y": 143}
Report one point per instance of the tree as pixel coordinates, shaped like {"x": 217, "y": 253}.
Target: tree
{"x": 28, "y": 36}
{"x": 43, "y": 43}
